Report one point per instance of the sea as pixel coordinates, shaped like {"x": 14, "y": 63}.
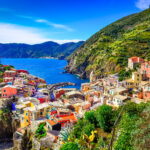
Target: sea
{"x": 49, "y": 69}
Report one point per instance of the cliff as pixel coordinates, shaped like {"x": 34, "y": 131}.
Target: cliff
{"x": 108, "y": 50}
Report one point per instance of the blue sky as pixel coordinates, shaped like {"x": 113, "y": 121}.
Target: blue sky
{"x": 36, "y": 21}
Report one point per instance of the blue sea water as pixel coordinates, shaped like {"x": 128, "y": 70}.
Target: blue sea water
{"x": 49, "y": 69}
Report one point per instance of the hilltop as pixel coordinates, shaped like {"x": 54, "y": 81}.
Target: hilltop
{"x": 47, "y": 49}
{"x": 108, "y": 50}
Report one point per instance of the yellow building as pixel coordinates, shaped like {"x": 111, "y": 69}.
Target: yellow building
{"x": 24, "y": 111}
{"x": 134, "y": 81}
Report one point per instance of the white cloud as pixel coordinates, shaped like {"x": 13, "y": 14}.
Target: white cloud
{"x": 66, "y": 41}
{"x": 10, "y": 33}
{"x": 60, "y": 26}
{"x": 142, "y": 4}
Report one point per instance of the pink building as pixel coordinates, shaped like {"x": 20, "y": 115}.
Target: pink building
{"x": 9, "y": 76}
{"x": 10, "y": 73}
{"x": 8, "y": 79}
{"x": 9, "y": 91}
{"x": 146, "y": 91}
{"x": 133, "y": 61}
{"x": 145, "y": 70}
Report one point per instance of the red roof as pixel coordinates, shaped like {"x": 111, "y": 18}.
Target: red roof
{"x": 137, "y": 59}
{"x": 69, "y": 117}
{"x": 23, "y": 71}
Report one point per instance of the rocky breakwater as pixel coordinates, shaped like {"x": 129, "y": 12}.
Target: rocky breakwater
{"x": 52, "y": 87}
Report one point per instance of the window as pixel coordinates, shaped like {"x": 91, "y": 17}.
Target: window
{"x": 4, "y": 90}
{"x": 146, "y": 66}
{"x": 118, "y": 101}
{"x": 144, "y": 72}
{"x": 146, "y": 94}
{"x": 26, "y": 114}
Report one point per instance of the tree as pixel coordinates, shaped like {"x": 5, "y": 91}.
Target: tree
{"x": 88, "y": 128}
{"x": 26, "y": 142}
{"x": 104, "y": 115}
{"x": 70, "y": 146}
{"x": 91, "y": 117}
{"x": 77, "y": 130}
{"x": 131, "y": 109}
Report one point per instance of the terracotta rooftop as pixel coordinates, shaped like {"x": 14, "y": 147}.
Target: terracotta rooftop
{"x": 71, "y": 117}
{"x": 51, "y": 122}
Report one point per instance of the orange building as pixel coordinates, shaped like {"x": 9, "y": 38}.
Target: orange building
{"x": 9, "y": 91}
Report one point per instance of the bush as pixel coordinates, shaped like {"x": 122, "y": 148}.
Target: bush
{"x": 40, "y": 132}
{"x": 1, "y": 80}
{"x": 105, "y": 117}
{"x": 70, "y": 146}
{"x": 88, "y": 129}
{"x": 91, "y": 117}
{"x": 77, "y": 130}
{"x": 124, "y": 74}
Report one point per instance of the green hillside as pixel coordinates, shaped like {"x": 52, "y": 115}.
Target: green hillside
{"x": 108, "y": 50}
{"x": 47, "y": 49}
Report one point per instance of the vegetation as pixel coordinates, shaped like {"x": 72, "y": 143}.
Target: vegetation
{"x": 132, "y": 131}
{"x": 87, "y": 131}
{"x": 70, "y": 146}
{"x": 26, "y": 142}
{"x": 105, "y": 117}
{"x": 108, "y": 50}
{"x": 133, "y": 128}
{"x": 47, "y": 49}
{"x": 91, "y": 117}
{"x": 123, "y": 74}
{"x": 40, "y": 132}
{"x": 1, "y": 80}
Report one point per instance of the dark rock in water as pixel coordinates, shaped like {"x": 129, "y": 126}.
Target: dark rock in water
{"x": 83, "y": 75}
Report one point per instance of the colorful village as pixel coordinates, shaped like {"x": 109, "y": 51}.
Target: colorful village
{"x": 36, "y": 106}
